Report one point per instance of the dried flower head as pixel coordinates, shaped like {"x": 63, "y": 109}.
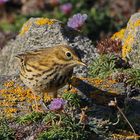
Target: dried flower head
{"x": 109, "y": 45}
{"x": 66, "y": 8}
{"x": 57, "y": 104}
{"x": 77, "y": 21}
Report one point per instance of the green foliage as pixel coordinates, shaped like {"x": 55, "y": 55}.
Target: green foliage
{"x": 6, "y": 133}
{"x": 50, "y": 117}
{"x": 57, "y": 133}
{"x": 103, "y": 66}
{"x": 134, "y": 77}
{"x": 73, "y": 99}
{"x": 64, "y": 125}
{"x": 14, "y": 27}
{"x": 30, "y": 118}
{"x": 68, "y": 129}
{"x": 99, "y": 18}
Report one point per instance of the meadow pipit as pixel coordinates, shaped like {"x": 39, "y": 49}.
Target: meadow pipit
{"x": 48, "y": 69}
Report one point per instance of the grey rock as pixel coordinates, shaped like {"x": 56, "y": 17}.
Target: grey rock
{"x": 132, "y": 36}
{"x": 42, "y": 36}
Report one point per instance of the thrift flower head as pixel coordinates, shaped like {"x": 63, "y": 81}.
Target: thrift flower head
{"x": 57, "y": 104}
{"x": 66, "y": 8}
{"x": 77, "y": 21}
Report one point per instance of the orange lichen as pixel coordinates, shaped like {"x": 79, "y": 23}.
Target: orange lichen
{"x": 13, "y": 95}
{"x": 43, "y": 21}
{"x": 9, "y": 112}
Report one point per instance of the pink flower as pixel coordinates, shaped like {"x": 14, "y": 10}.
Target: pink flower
{"x": 66, "y": 8}
{"x": 57, "y": 104}
{"x": 77, "y": 21}
{"x": 3, "y": 1}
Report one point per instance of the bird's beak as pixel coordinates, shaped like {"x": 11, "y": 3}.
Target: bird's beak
{"x": 81, "y": 63}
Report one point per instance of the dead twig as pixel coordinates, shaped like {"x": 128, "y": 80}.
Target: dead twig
{"x": 114, "y": 103}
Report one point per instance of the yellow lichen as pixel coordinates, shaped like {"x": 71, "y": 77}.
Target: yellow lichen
{"x": 12, "y": 96}
{"x": 126, "y": 48}
{"x": 47, "y": 97}
{"x": 43, "y": 21}
{"x": 126, "y": 136}
{"x": 137, "y": 23}
{"x": 9, "y": 83}
{"x": 26, "y": 26}
{"x": 16, "y": 98}
{"x": 39, "y": 21}
{"x": 119, "y": 34}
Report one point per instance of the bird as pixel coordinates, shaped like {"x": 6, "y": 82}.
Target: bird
{"x": 48, "y": 69}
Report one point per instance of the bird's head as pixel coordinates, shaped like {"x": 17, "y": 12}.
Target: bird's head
{"x": 67, "y": 56}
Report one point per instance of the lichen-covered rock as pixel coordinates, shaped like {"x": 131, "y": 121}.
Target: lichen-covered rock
{"x": 16, "y": 99}
{"x": 40, "y": 33}
{"x": 131, "y": 40}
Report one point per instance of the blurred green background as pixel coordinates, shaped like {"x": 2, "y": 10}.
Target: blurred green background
{"x": 104, "y": 16}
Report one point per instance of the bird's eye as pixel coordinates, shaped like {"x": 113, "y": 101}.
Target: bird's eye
{"x": 69, "y": 55}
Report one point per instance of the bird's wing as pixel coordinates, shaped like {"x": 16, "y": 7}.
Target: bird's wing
{"x": 31, "y": 55}
{"x": 38, "y": 60}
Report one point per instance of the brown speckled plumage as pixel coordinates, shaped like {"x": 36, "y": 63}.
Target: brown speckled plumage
{"x": 48, "y": 69}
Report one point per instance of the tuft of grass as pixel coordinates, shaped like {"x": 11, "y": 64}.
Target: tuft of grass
{"x": 134, "y": 77}
{"x": 73, "y": 99}
{"x": 6, "y": 133}
{"x": 50, "y": 117}
{"x": 103, "y": 66}
{"x": 30, "y": 118}
{"x": 70, "y": 131}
